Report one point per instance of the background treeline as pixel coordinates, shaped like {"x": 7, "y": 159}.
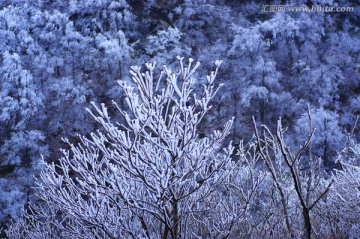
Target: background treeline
{"x": 57, "y": 56}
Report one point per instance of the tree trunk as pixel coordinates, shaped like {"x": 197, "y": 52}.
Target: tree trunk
{"x": 307, "y": 223}
{"x": 166, "y": 232}
{"x": 175, "y": 220}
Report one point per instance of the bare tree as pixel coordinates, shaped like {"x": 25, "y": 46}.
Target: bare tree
{"x": 151, "y": 177}
{"x": 154, "y": 176}
{"x": 298, "y": 180}
{"x": 342, "y": 208}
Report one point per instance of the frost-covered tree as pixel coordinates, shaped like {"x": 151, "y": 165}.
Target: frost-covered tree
{"x": 298, "y": 184}
{"x": 21, "y": 141}
{"x": 344, "y": 213}
{"x": 73, "y": 52}
{"x": 340, "y": 209}
{"x": 151, "y": 177}
{"x": 259, "y": 87}
{"x": 329, "y": 138}
{"x": 49, "y": 68}
{"x": 164, "y": 44}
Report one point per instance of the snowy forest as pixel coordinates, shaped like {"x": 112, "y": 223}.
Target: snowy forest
{"x": 179, "y": 119}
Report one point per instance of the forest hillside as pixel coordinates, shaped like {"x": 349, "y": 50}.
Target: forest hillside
{"x": 268, "y": 148}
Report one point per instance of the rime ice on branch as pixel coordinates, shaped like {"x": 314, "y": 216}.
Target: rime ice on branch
{"x": 152, "y": 176}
